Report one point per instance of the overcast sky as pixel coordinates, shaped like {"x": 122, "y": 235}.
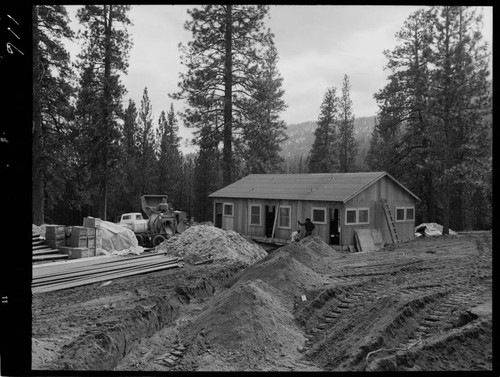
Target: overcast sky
{"x": 316, "y": 44}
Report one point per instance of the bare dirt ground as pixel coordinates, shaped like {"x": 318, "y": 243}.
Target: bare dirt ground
{"x": 423, "y": 305}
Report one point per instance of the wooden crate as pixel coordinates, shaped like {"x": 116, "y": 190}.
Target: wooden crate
{"x": 78, "y": 241}
{"x": 91, "y": 222}
{"x": 79, "y": 231}
{"x": 98, "y": 239}
{"x": 56, "y": 243}
{"x": 77, "y": 252}
{"x": 54, "y": 232}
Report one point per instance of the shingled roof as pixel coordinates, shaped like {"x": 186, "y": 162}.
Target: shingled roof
{"x": 336, "y": 187}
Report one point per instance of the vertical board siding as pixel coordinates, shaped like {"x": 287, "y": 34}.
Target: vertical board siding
{"x": 396, "y": 197}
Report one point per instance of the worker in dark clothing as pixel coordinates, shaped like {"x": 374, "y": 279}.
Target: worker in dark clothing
{"x": 309, "y": 225}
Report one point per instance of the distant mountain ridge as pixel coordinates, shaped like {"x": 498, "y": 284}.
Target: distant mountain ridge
{"x": 301, "y": 137}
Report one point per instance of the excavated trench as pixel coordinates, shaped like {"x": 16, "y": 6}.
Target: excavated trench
{"x": 104, "y": 345}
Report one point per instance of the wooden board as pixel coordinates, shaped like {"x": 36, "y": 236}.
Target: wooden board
{"x": 83, "y": 275}
{"x": 378, "y": 239}
{"x": 66, "y": 275}
{"x": 365, "y": 240}
{"x": 356, "y": 238}
{"x": 68, "y": 268}
{"x": 49, "y": 256}
{"x": 96, "y": 279}
{"x": 47, "y": 250}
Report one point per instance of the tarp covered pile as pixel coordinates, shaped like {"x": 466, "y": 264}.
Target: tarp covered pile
{"x": 117, "y": 240}
{"x": 430, "y": 230}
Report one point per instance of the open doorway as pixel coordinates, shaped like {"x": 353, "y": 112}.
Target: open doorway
{"x": 270, "y": 214}
{"x": 334, "y": 226}
{"x": 218, "y": 215}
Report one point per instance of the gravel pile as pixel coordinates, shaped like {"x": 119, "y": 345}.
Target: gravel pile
{"x": 200, "y": 242}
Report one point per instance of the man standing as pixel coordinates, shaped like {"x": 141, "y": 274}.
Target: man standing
{"x": 309, "y": 225}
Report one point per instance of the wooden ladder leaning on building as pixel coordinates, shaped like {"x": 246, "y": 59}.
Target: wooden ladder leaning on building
{"x": 390, "y": 221}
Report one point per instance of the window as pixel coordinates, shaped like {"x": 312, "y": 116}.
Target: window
{"x": 319, "y": 215}
{"x": 405, "y": 214}
{"x": 357, "y": 216}
{"x": 350, "y": 216}
{"x": 138, "y": 217}
{"x": 126, "y": 217}
{"x": 284, "y": 219}
{"x": 400, "y": 214}
{"x": 228, "y": 209}
{"x": 363, "y": 216}
{"x": 410, "y": 214}
{"x": 255, "y": 214}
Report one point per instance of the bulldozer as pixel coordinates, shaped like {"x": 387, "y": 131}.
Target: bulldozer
{"x": 161, "y": 223}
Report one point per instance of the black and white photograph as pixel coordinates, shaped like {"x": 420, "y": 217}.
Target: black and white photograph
{"x": 254, "y": 188}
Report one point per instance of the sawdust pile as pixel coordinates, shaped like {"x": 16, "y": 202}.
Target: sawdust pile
{"x": 246, "y": 328}
{"x": 198, "y": 242}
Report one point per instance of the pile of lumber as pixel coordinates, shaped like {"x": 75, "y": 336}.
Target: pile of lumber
{"x": 42, "y": 251}
{"x": 56, "y": 276}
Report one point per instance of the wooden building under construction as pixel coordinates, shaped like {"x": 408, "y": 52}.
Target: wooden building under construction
{"x": 269, "y": 205}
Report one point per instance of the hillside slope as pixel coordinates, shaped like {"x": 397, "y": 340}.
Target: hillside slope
{"x": 301, "y": 137}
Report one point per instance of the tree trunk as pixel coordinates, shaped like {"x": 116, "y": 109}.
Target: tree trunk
{"x": 228, "y": 105}
{"x": 103, "y": 194}
{"x": 431, "y": 205}
{"x": 37, "y": 168}
{"x": 459, "y": 223}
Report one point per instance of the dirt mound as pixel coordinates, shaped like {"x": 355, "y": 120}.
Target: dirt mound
{"x": 202, "y": 241}
{"x": 244, "y": 328}
{"x": 284, "y": 272}
{"x": 312, "y": 251}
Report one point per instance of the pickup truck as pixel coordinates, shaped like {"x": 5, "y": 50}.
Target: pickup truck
{"x": 134, "y": 221}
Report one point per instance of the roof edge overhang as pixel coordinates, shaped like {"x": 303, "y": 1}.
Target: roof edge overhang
{"x": 382, "y": 175}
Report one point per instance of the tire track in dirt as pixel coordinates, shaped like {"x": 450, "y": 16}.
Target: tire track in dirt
{"x": 429, "y": 303}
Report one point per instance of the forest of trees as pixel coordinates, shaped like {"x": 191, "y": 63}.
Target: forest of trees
{"x": 93, "y": 156}
{"x": 434, "y": 123}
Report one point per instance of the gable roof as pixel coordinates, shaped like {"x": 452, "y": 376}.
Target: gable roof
{"x": 336, "y": 187}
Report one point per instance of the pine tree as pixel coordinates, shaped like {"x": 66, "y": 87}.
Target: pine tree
{"x": 323, "y": 157}
{"x": 130, "y": 192}
{"x": 106, "y": 47}
{"x": 169, "y": 157}
{"x": 404, "y": 118}
{"x": 347, "y": 145}
{"x": 207, "y": 177}
{"x": 51, "y": 93}
{"x": 188, "y": 177}
{"x": 460, "y": 99}
{"x": 264, "y": 131}
{"x": 222, "y": 62}
{"x": 433, "y": 132}
{"x": 146, "y": 145}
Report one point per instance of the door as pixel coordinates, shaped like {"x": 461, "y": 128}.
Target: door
{"x": 270, "y": 214}
{"x": 218, "y": 215}
{"x": 334, "y": 226}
